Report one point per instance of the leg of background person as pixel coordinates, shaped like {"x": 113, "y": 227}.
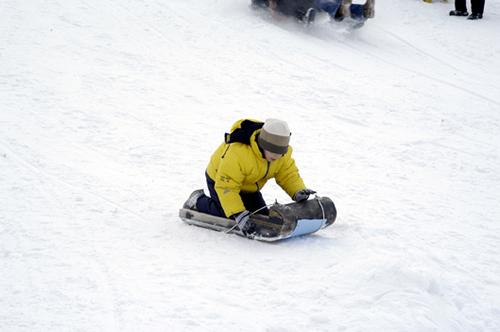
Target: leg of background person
{"x": 329, "y": 6}
{"x": 357, "y": 12}
{"x": 477, "y": 6}
{"x": 461, "y": 5}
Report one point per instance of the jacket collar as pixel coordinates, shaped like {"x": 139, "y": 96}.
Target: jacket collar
{"x": 255, "y": 146}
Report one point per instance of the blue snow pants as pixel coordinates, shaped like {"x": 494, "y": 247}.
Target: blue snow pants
{"x": 211, "y": 205}
{"x": 332, "y": 6}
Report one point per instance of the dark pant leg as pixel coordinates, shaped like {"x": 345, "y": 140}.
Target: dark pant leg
{"x": 210, "y": 205}
{"x": 461, "y": 5}
{"x": 296, "y": 8}
{"x": 477, "y": 6}
{"x": 329, "y": 6}
{"x": 254, "y": 201}
{"x": 357, "y": 12}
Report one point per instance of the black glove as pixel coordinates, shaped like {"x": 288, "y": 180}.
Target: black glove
{"x": 242, "y": 220}
{"x": 303, "y": 195}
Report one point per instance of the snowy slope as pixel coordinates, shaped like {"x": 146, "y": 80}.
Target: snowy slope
{"x": 109, "y": 111}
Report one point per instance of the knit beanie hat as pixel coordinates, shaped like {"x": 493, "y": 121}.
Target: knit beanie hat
{"x": 274, "y": 136}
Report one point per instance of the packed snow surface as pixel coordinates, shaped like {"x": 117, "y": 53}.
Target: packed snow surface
{"x": 110, "y": 110}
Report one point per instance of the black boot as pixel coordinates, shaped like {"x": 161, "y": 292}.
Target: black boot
{"x": 193, "y": 199}
{"x": 338, "y": 16}
{"x": 458, "y": 13}
{"x": 475, "y": 16}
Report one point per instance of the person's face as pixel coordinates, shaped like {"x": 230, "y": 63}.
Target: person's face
{"x": 271, "y": 156}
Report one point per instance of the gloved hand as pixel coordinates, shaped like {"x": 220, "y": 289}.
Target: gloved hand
{"x": 242, "y": 220}
{"x": 303, "y": 195}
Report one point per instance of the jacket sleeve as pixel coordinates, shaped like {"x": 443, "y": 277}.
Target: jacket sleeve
{"x": 228, "y": 182}
{"x": 288, "y": 176}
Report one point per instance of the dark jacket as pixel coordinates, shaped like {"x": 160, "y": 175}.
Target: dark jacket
{"x": 296, "y": 8}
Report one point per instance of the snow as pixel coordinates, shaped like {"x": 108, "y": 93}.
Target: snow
{"x": 109, "y": 111}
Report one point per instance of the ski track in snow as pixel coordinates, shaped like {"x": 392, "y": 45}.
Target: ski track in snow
{"x": 109, "y": 113}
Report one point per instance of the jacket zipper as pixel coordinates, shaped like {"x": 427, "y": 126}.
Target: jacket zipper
{"x": 267, "y": 171}
{"x": 224, "y": 154}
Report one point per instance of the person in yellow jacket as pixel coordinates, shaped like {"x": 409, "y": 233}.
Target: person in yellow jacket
{"x": 251, "y": 154}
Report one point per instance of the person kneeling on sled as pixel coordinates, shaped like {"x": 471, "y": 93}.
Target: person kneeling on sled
{"x": 252, "y": 153}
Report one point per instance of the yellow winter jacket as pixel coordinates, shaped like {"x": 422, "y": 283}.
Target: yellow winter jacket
{"x": 236, "y": 167}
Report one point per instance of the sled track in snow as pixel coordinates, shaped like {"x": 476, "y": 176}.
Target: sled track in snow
{"x": 52, "y": 178}
{"x": 420, "y": 73}
{"x": 418, "y": 49}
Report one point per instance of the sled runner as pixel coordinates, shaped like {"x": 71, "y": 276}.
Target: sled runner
{"x": 284, "y": 220}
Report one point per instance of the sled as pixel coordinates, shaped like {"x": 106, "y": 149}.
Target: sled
{"x": 283, "y": 222}
{"x": 307, "y": 13}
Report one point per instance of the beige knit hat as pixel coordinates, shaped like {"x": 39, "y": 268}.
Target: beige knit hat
{"x": 275, "y": 136}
